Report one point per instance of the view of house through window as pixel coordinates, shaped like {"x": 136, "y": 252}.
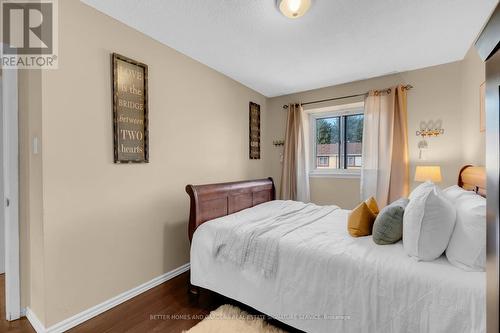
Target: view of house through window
{"x": 339, "y": 142}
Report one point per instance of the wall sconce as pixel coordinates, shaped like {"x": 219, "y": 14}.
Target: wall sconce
{"x": 422, "y": 146}
{"x": 278, "y": 143}
{"x": 430, "y": 128}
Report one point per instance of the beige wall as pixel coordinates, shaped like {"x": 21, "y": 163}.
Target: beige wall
{"x": 473, "y": 141}
{"x": 343, "y": 192}
{"x": 436, "y": 96}
{"x": 107, "y": 228}
{"x": 30, "y": 190}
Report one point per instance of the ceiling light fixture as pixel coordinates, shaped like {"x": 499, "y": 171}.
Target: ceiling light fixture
{"x": 294, "y": 8}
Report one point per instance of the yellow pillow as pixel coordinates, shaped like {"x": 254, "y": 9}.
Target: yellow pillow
{"x": 372, "y": 204}
{"x": 360, "y": 221}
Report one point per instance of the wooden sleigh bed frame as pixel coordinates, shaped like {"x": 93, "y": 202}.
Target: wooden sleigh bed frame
{"x": 216, "y": 200}
{"x": 473, "y": 178}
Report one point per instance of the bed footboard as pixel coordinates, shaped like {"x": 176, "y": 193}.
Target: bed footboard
{"x": 215, "y": 200}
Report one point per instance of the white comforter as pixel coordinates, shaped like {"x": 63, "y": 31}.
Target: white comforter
{"x": 327, "y": 281}
{"x": 252, "y": 240}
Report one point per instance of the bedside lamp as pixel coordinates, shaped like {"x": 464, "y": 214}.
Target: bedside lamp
{"x": 425, "y": 173}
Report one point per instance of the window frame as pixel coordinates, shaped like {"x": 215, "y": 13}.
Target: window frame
{"x": 336, "y": 111}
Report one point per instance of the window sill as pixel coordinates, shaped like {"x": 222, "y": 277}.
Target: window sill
{"x": 335, "y": 174}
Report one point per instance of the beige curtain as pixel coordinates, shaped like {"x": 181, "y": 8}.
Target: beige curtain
{"x": 385, "y": 171}
{"x": 295, "y": 169}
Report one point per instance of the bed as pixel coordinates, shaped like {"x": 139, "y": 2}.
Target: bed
{"x": 323, "y": 279}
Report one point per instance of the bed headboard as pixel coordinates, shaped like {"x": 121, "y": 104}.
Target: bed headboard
{"x": 473, "y": 178}
{"x": 215, "y": 200}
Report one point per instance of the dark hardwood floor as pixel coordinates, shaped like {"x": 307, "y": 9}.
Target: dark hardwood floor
{"x": 18, "y": 326}
{"x": 151, "y": 311}
{"x": 165, "y": 308}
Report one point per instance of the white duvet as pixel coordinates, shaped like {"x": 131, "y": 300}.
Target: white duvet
{"x": 327, "y": 281}
{"x": 252, "y": 240}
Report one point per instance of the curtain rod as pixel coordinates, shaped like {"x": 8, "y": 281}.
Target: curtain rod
{"x": 388, "y": 90}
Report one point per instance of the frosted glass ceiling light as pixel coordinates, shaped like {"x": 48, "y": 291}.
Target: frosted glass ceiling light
{"x": 294, "y": 8}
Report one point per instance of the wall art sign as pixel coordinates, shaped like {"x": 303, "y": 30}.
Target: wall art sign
{"x": 130, "y": 110}
{"x": 254, "y": 131}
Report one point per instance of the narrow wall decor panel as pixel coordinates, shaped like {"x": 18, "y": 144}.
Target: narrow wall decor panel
{"x": 254, "y": 131}
{"x": 130, "y": 110}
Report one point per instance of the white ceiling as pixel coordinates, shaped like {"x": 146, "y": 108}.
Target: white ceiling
{"x": 337, "y": 41}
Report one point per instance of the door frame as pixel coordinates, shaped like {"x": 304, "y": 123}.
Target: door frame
{"x": 493, "y": 170}
{"x": 488, "y": 48}
{"x": 9, "y": 194}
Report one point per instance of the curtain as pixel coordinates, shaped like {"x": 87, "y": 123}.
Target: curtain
{"x": 295, "y": 168}
{"x": 385, "y": 172}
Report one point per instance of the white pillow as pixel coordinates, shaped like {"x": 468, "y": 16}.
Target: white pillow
{"x": 421, "y": 188}
{"x": 428, "y": 222}
{"x": 453, "y": 193}
{"x": 467, "y": 248}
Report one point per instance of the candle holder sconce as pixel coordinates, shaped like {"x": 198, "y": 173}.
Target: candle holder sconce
{"x": 278, "y": 143}
{"x": 430, "y": 128}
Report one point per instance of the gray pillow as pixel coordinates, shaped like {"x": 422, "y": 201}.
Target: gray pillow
{"x": 388, "y": 226}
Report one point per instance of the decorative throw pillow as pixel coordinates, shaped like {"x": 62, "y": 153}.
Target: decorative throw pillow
{"x": 360, "y": 221}
{"x": 372, "y": 204}
{"x": 467, "y": 248}
{"x": 428, "y": 222}
{"x": 388, "y": 226}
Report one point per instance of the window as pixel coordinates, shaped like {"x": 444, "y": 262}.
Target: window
{"x": 323, "y": 161}
{"x": 327, "y": 142}
{"x": 353, "y": 141}
{"x": 337, "y": 141}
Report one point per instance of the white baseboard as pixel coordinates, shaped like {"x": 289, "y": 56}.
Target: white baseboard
{"x": 104, "y": 306}
{"x": 34, "y": 321}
